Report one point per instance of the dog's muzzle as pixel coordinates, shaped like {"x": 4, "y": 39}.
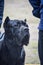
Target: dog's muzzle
{"x": 23, "y": 35}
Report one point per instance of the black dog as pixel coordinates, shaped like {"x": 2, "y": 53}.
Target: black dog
{"x": 16, "y": 35}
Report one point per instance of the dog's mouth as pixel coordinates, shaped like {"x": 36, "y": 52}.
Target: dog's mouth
{"x": 25, "y": 40}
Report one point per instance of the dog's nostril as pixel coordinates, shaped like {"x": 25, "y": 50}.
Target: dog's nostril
{"x": 26, "y": 30}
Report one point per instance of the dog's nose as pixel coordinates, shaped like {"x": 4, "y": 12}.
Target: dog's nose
{"x": 26, "y": 30}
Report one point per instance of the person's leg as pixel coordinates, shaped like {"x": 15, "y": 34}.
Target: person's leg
{"x": 40, "y": 46}
{"x": 1, "y": 11}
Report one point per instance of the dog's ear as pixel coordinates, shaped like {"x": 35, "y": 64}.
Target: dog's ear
{"x": 25, "y": 20}
{"x": 7, "y": 19}
{"x": 6, "y": 22}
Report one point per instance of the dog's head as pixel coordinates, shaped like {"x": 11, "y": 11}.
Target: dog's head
{"x": 18, "y": 29}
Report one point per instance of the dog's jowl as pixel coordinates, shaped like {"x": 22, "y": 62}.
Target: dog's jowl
{"x": 16, "y": 35}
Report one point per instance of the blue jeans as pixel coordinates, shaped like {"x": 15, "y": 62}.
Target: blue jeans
{"x": 40, "y": 46}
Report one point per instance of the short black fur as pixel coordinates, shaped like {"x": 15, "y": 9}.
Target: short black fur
{"x": 16, "y": 34}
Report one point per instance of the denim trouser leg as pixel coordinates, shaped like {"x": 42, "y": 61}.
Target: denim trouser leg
{"x": 40, "y": 46}
{"x": 1, "y": 10}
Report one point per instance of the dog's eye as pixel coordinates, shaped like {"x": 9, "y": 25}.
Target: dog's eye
{"x": 15, "y": 25}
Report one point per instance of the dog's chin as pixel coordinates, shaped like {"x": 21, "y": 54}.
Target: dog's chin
{"x": 25, "y": 40}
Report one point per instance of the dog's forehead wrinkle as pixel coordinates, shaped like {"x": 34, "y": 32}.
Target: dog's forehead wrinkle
{"x": 14, "y": 22}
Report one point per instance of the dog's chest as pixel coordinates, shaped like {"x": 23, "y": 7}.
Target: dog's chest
{"x": 14, "y": 50}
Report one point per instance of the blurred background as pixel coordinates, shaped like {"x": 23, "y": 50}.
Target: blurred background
{"x": 21, "y": 9}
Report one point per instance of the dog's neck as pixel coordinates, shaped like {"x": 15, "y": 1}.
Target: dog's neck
{"x": 11, "y": 39}
{"x": 8, "y": 35}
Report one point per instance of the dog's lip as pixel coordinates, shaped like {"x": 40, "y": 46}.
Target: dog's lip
{"x": 25, "y": 40}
